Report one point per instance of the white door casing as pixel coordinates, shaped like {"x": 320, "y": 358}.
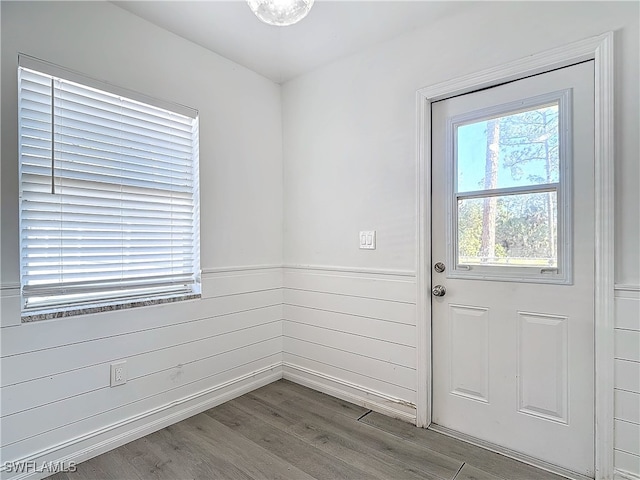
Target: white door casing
{"x": 512, "y": 342}
{"x": 600, "y": 49}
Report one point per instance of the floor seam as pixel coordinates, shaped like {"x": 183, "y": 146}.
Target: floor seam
{"x": 459, "y": 470}
{"x": 363, "y": 415}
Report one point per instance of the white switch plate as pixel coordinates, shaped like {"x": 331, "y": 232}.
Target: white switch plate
{"x": 118, "y": 373}
{"x": 368, "y": 239}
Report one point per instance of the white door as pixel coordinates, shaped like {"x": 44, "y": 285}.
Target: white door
{"x": 513, "y": 226}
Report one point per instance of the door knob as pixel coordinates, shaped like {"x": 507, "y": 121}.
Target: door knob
{"x": 438, "y": 291}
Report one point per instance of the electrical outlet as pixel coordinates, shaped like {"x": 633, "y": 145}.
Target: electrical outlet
{"x": 118, "y": 373}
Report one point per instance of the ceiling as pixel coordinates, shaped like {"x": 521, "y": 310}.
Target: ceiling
{"x": 332, "y": 30}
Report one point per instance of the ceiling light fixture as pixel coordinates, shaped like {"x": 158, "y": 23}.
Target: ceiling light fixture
{"x": 280, "y": 12}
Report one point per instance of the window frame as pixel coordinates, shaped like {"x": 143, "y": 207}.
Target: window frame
{"x": 563, "y": 274}
{"x": 107, "y": 299}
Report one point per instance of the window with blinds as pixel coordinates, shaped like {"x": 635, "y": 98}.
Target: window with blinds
{"x": 108, "y": 197}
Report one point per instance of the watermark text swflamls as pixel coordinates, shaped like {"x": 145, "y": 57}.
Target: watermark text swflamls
{"x": 32, "y": 466}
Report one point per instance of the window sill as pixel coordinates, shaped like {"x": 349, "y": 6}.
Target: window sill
{"x": 86, "y": 310}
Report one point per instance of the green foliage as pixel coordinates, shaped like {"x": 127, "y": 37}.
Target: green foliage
{"x": 531, "y": 136}
{"x": 522, "y": 227}
{"x": 469, "y": 228}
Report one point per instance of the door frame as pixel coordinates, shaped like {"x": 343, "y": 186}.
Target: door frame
{"x": 599, "y": 49}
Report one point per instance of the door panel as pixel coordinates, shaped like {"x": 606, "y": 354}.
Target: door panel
{"x": 543, "y": 380}
{"x": 513, "y": 352}
{"x": 469, "y": 351}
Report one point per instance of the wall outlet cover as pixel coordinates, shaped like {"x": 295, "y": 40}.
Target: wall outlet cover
{"x": 118, "y": 373}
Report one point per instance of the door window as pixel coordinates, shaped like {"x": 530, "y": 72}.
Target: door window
{"x": 510, "y": 182}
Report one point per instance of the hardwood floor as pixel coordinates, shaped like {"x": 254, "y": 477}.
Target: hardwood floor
{"x": 286, "y": 431}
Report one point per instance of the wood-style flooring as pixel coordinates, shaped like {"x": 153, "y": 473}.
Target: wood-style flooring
{"x": 287, "y": 431}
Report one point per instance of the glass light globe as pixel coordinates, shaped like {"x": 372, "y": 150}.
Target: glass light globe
{"x": 280, "y": 12}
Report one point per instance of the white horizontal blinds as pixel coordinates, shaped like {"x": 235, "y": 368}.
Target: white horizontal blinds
{"x": 113, "y": 214}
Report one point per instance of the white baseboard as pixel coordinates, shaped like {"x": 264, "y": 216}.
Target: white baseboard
{"x": 107, "y": 438}
{"x": 624, "y": 475}
{"x": 350, "y": 392}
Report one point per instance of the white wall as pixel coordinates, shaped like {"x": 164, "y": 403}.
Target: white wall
{"x": 181, "y": 357}
{"x": 350, "y": 165}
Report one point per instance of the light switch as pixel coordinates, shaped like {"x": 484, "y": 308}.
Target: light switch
{"x": 368, "y": 240}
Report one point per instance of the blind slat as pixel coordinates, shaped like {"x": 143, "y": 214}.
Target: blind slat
{"x": 106, "y": 208}
{"x": 141, "y": 107}
{"x": 95, "y": 190}
{"x": 107, "y": 258}
{"x": 163, "y": 158}
{"x": 120, "y": 111}
{"x": 94, "y": 123}
{"x": 87, "y": 287}
{"x": 128, "y": 139}
{"x": 104, "y": 274}
{"x": 108, "y": 163}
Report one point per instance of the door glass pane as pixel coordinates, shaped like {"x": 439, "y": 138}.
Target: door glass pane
{"x": 519, "y": 149}
{"x": 517, "y": 230}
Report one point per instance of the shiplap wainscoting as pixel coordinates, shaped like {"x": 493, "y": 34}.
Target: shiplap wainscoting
{"x": 351, "y": 334}
{"x": 627, "y": 382}
{"x": 182, "y": 358}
